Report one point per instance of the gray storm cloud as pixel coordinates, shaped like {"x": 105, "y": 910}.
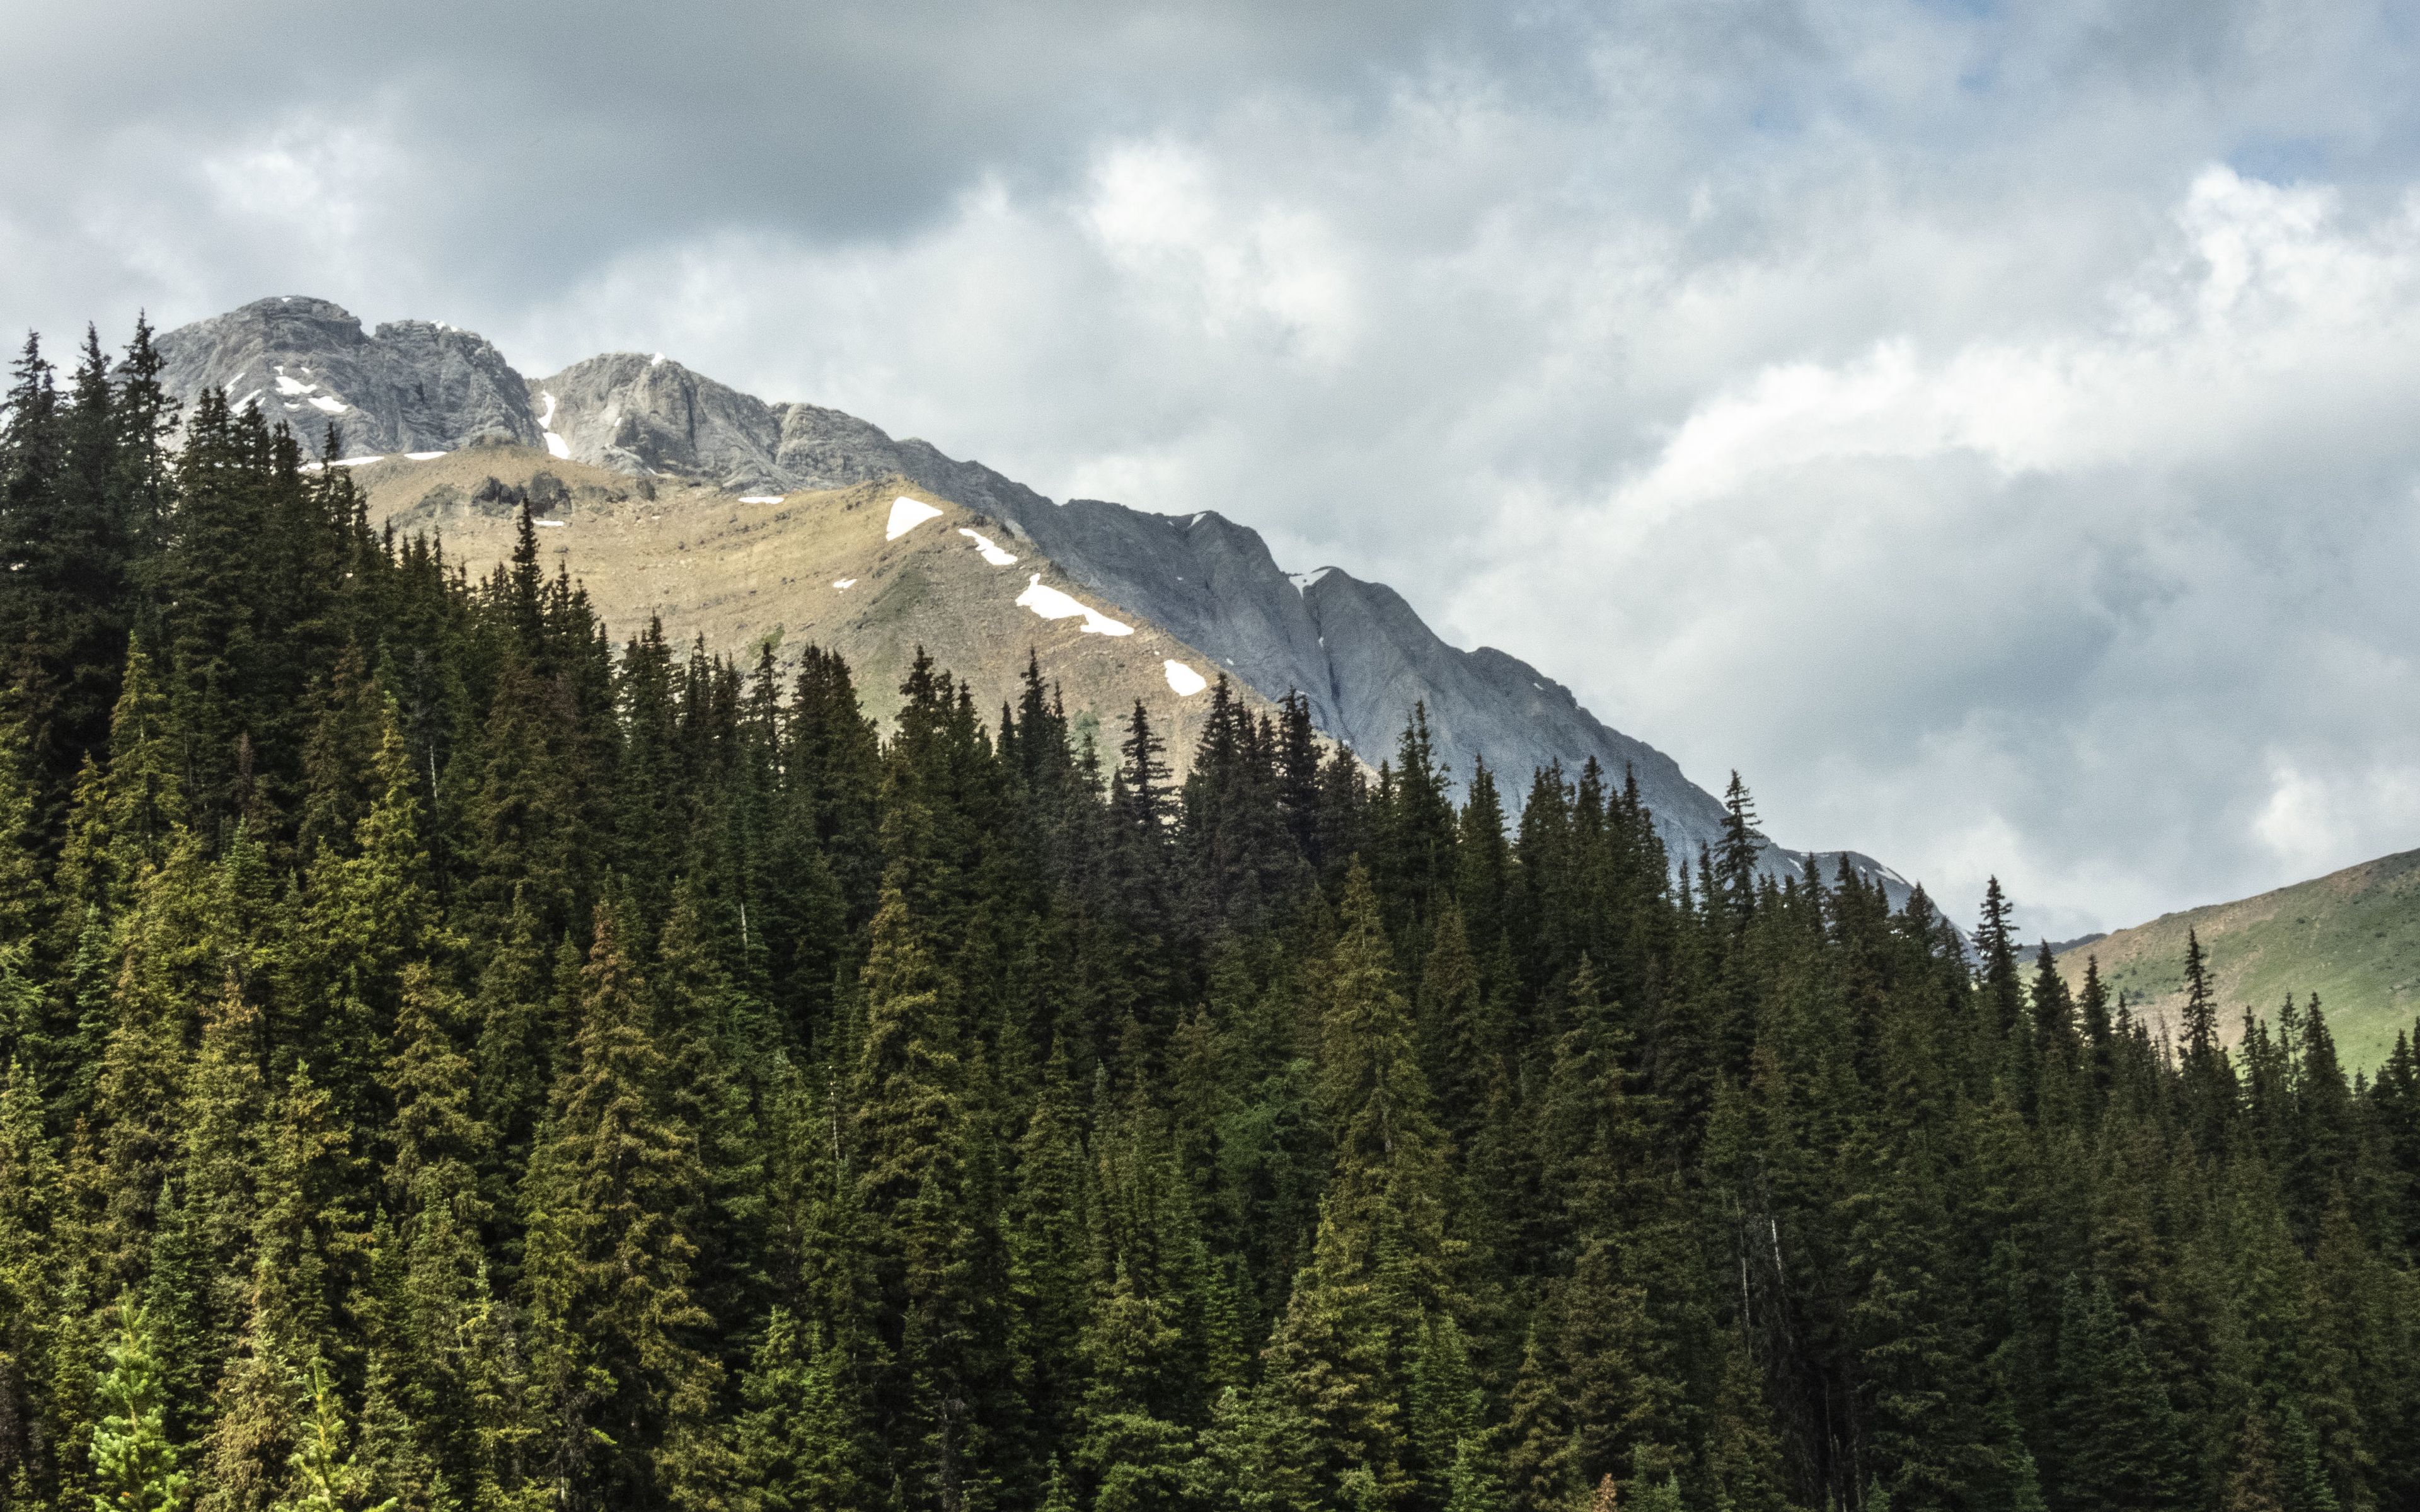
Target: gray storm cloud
{"x": 1987, "y": 428}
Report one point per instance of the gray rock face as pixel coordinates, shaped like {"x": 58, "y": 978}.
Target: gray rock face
{"x": 1360, "y": 654}
{"x": 645, "y": 414}
{"x": 410, "y": 386}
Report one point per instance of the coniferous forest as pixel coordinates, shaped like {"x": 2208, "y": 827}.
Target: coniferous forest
{"x": 458, "y": 1060}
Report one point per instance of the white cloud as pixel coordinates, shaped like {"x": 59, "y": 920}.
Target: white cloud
{"x": 1191, "y": 256}
{"x": 2055, "y": 594}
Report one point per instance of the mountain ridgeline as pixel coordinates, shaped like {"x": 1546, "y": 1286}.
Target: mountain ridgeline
{"x": 454, "y": 1061}
{"x": 1355, "y": 650}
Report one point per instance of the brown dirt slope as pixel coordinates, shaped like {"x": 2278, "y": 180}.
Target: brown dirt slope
{"x": 735, "y": 572}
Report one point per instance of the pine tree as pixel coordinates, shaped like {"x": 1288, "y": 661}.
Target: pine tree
{"x": 327, "y": 1478}
{"x": 31, "y": 1205}
{"x": 615, "y": 1360}
{"x": 1733, "y": 874}
{"x": 2208, "y": 1080}
{"x": 2120, "y": 1439}
{"x": 803, "y": 1438}
{"x": 2253, "y": 1483}
{"x": 134, "y": 1462}
{"x": 922, "y": 1171}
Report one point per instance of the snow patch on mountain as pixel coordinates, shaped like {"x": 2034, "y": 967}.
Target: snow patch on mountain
{"x": 1051, "y": 604}
{"x": 905, "y": 515}
{"x": 555, "y": 446}
{"x": 991, "y": 552}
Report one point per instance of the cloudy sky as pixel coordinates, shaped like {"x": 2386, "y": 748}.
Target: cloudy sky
{"x": 1991, "y": 427}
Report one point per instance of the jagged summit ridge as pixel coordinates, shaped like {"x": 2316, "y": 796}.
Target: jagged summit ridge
{"x": 408, "y": 386}
{"x": 645, "y": 414}
{"x": 1355, "y": 649}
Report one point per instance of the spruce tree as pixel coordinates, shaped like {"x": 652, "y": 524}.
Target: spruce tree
{"x": 1383, "y": 1256}
{"x": 2253, "y": 1483}
{"x": 2208, "y": 1079}
{"x": 31, "y": 1205}
{"x": 803, "y": 1437}
{"x": 615, "y": 1360}
{"x": 939, "y": 1119}
{"x": 1995, "y": 947}
{"x": 1733, "y": 874}
{"x": 226, "y": 1136}
{"x": 440, "y": 1335}
{"x": 2119, "y": 1440}
{"x": 1137, "y": 1458}
{"x": 134, "y": 1461}
{"x": 922, "y": 1161}
{"x": 327, "y": 1478}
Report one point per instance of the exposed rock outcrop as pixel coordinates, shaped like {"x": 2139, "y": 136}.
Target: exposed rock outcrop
{"x": 643, "y": 415}
{"x": 408, "y": 386}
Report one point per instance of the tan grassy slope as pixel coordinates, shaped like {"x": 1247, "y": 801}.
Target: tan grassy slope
{"x": 2351, "y": 936}
{"x": 735, "y": 572}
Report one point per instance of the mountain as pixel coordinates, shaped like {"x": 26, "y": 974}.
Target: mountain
{"x": 872, "y": 571}
{"x": 1205, "y": 585}
{"x": 2351, "y": 936}
{"x": 408, "y": 386}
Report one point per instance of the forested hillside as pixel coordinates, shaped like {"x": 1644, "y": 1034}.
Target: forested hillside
{"x": 456, "y": 1060}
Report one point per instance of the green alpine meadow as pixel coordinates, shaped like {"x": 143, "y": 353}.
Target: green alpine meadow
{"x": 464, "y": 1054}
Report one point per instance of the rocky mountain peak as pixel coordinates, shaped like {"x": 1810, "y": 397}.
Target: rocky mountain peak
{"x": 410, "y": 386}
{"x": 1355, "y": 650}
{"x": 643, "y": 413}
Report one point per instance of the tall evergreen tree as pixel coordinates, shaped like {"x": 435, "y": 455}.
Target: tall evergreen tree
{"x": 134, "y": 1461}
{"x": 616, "y": 1332}
{"x": 924, "y": 1162}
